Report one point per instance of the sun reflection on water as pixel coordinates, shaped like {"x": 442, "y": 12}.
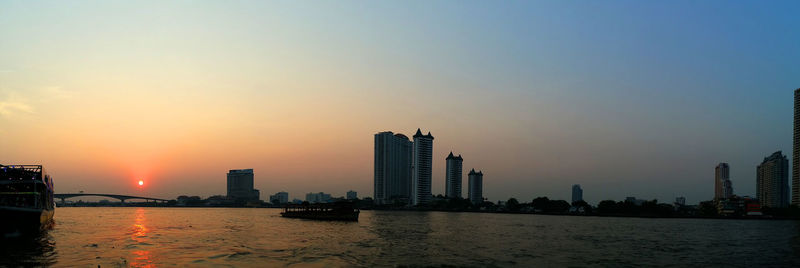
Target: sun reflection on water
{"x": 141, "y": 258}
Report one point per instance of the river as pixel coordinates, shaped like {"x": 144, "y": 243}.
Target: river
{"x": 257, "y": 237}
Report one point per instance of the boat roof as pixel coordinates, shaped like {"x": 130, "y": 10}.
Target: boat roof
{"x": 34, "y": 172}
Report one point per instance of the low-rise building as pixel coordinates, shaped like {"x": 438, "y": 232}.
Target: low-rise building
{"x": 352, "y": 195}
{"x": 318, "y": 197}
{"x": 279, "y": 198}
{"x": 680, "y": 201}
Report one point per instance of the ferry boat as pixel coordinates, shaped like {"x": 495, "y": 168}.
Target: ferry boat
{"x": 337, "y": 211}
{"x": 26, "y": 198}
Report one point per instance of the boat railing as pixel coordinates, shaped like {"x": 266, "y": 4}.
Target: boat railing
{"x": 21, "y": 186}
{"x": 320, "y": 207}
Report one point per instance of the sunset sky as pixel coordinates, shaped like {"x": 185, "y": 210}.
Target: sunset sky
{"x": 626, "y": 98}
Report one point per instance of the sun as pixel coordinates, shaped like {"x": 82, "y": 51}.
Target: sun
{"x": 141, "y": 182}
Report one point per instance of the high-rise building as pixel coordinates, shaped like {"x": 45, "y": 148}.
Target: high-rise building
{"x": 392, "y": 168}
{"x": 723, "y": 188}
{"x": 727, "y": 189}
{"x": 318, "y": 197}
{"x": 422, "y": 161}
{"x": 351, "y": 195}
{"x": 577, "y": 193}
{"x": 796, "y": 151}
{"x": 453, "y": 176}
{"x": 772, "y": 181}
{"x": 279, "y": 198}
{"x": 475, "y": 186}
{"x": 240, "y": 185}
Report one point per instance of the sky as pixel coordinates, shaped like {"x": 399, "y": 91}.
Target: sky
{"x": 626, "y": 98}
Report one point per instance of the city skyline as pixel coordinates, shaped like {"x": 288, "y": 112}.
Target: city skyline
{"x": 625, "y": 99}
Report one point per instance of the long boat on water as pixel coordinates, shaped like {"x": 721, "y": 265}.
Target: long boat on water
{"x": 26, "y": 198}
{"x": 337, "y": 211}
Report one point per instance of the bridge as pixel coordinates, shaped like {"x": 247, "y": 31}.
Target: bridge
{"x": 121, "y": 198}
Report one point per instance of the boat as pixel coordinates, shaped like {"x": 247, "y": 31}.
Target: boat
{"x": 26, "y": 198}
{"x": 337, "y": 211}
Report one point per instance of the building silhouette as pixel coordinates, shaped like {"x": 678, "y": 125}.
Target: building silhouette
{"x": 279, "y": 198}
{"x": 577, "y": 193}
{"x": 475, "y": 186}
{"x": 772, "y": 181}
{"x": 422, "y": 161}
{"x": 453, "y": 176}
{"x": 680, "y": 201}
{"x": 723, "y": 188}
{"x": 634, "y": 200}
{"x": 796, "y": 151}
{"x": 240, "y": 185}
{"x": 352, "y": 195}
{"x": 392, "y": 177}
{"x": 318, "y": 197}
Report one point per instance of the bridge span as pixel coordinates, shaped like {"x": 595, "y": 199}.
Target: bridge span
{"x": 119, "y": 197}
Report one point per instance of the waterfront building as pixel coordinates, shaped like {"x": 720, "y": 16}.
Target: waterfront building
{"x": 577, "y": 193}
{"x": 297, "y": 201}
{"x": 422, "y": 161}
{"x": 279, "y": 198}
{"x": 352, "y": 195}
{"x": 680, "y": 201}
{"x": 392, "y": 166}
{"x": 475, "y": 186}
{"x": 453, "y": 176}
{"x": 723, "y": 187}
{"x": 752, "y": 206}
{"x": 796, "y": 151}
{"x": 318, "y": 197}
{"x": 772, "y": 181}
{"x": 240, "y": 185}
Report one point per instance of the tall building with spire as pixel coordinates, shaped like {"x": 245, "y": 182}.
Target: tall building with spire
{"x": 453, "y": 176}
{"x": 772, "y": 181}
{"x": 723, "y": 187}
{"x": 392, "y": 177}
{"x": 796, "y": 151}
{"x": 422, "y": 161}
{"x": 475, "y": 186}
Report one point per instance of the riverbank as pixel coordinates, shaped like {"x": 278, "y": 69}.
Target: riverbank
{"x": 616, "y": 215}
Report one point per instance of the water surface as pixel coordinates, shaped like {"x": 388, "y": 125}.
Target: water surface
{"x": 251, "y": 237}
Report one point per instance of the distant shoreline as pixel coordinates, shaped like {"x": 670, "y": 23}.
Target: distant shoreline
{"x": 598, "y": 215}
{"x": 478, "y": 211}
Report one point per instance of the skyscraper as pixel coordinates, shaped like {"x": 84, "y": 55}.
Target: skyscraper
{"x": 475, "y": 186}
{"x": 796, "y": 151}
{"x": 422, "y": 159}
{"x": 392, "y": 168}
{"x": 453, "y": 176}
{"x": 577, "y": 193}
{"x": 723, "y": 188}
{"x": 240, "y": 185}
{"x": 772, "y": 181}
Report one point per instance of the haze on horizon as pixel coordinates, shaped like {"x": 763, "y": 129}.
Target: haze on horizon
{"x": 626, "y": 98}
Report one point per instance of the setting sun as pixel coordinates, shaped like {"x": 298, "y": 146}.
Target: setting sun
{"x": 141, "y": 182}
